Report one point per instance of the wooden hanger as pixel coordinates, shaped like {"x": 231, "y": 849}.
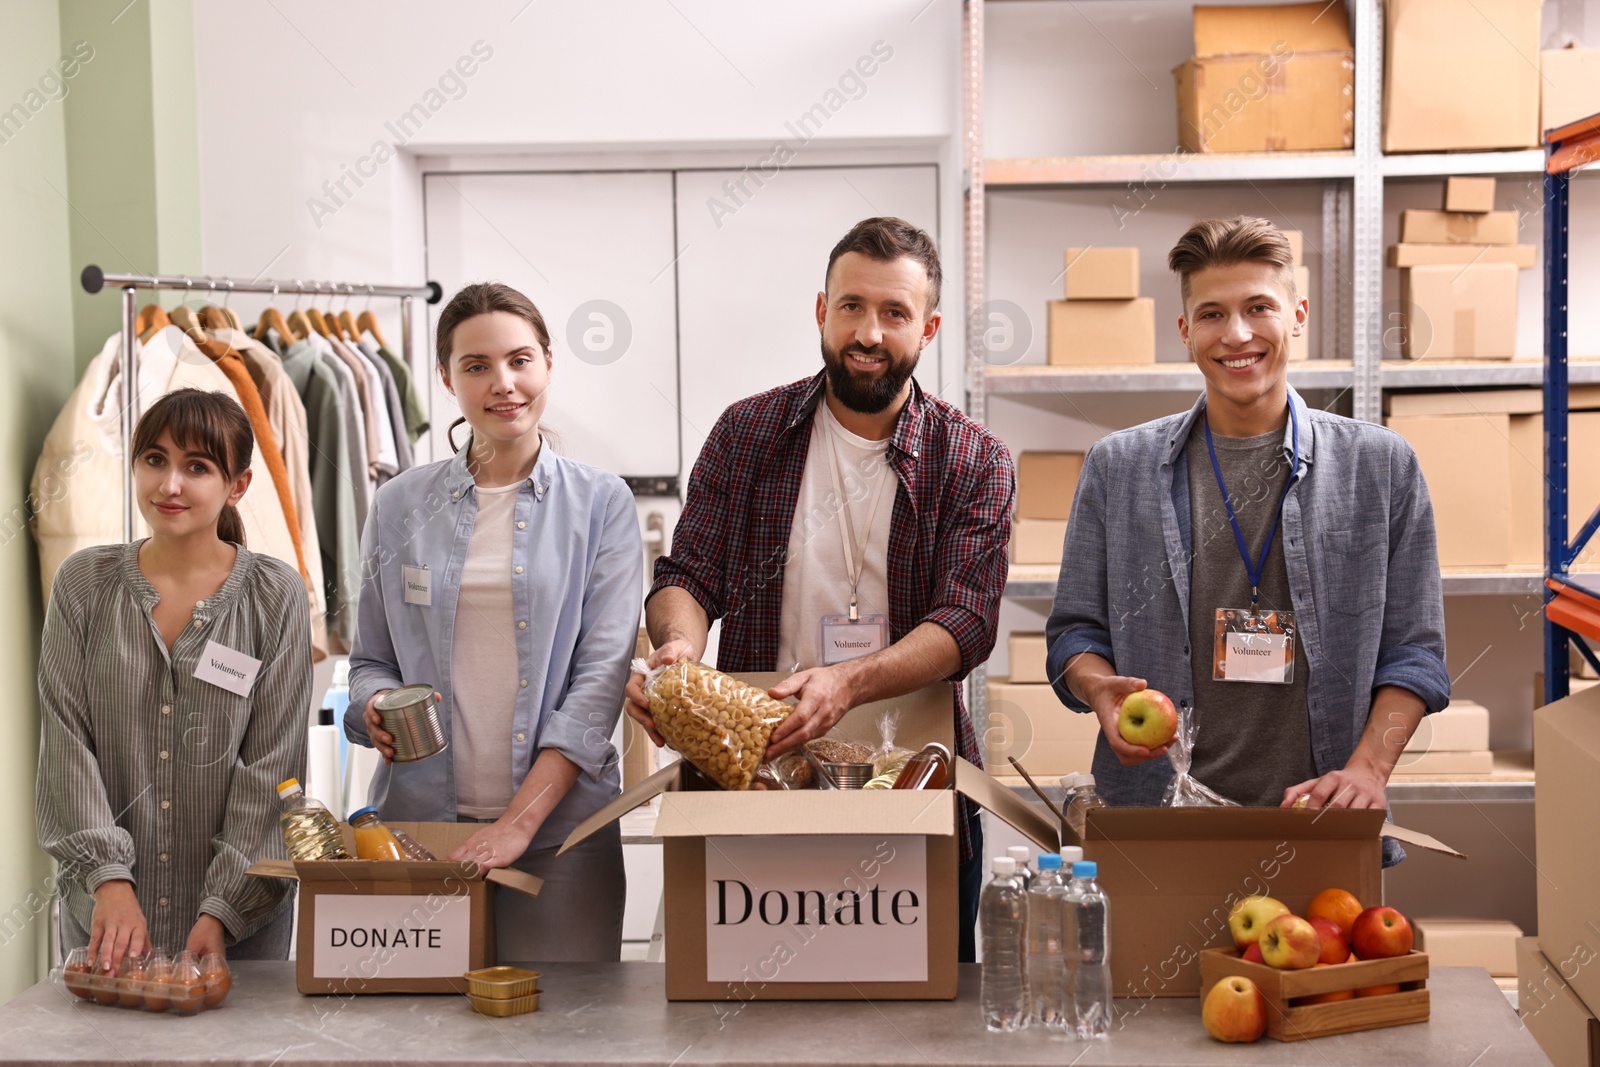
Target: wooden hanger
{"x": 369, "y": 322}
{"x": 300, "y": 324}
{"x": 348, "y": 321}
{"x": 152, "y": 317}
{"x": 272, "y": 319}
{"x": 184, "y": 318}
{"x": 214, "y": 318}
{"x": 233, "y": 318}
{"x": 318, "y": 323}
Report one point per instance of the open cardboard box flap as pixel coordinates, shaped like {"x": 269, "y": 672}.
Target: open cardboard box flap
{"x": 440, "y": 838}
{"x": 1225, "y": 824}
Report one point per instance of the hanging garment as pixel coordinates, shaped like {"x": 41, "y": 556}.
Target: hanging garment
{"x": 357, "y": 462}
{"x": 387, "y": 463}
{"x": 76, "y": 495}
{"x": 391, "y": 396}
{"x": 363, "y": 386}
{"x": 416, "y": 415}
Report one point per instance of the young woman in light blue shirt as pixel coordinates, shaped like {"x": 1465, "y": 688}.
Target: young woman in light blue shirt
{"x": 510, "y": 579}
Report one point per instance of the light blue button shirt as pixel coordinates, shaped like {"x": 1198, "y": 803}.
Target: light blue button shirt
{"x": 577, "y": 579}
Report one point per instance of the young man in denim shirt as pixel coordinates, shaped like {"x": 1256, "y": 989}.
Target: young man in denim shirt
{"x": 1271, "y": 567}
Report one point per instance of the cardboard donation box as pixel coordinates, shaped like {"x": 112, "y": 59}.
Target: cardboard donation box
{"x": 395, "y": 926}
{"x": 1457, "y": 82}
{"x": 1268, "y": 79}
{"x": 1174, "y": 873}
{"x": 1566, "y": 814}
{"x": 1565, "y": 1028}
{"x": 813, "y": 894}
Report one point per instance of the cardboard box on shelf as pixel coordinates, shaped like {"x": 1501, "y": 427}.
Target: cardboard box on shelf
{"x": 1454, "y": 83}
{"x": 1465, "y": 312}
{"x": 1266, "y": 103}
{"x": 1424, "y": 227}
{"x": 1461, "y": 727}
{"x": 1526, "y": 442}
{"x": 1486, "y": 401}
{"x": 1037, "y": 540}
{"x": 1473, "y": 764}
{"x": 1026, "y": 653}
{"x": 1469, "y": 194}
{"x": 1029, "y": 721}
{"x": 818, "y": 895}
{"x": 1570, "y": 82}
{"x": 1175, "y": 873}
{"x": 1297, "y": 246}
{"x": 1046, "y": 482}
{"x": 1102, "y": 331}
{"x": 380, "y": 926}
{"x": 1102, "y": 273}
{"x": 1467, "y": 465}
{"x": 1300, "y": 344}
{"x": 1566, "y": 819}
{"x": 1487, "y": 943}
{"x": 1575, "y": 685}
{"x": 1521, "y": 256}
{"x": 1565, "y": 1028}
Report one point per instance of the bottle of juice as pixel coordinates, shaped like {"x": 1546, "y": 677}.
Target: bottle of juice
{"x": 373, "y": 839}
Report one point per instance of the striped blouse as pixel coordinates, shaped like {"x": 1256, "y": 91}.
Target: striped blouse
{"x": 149, "y": 774}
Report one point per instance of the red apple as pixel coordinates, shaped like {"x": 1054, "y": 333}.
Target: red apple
{"x": 1147, "y": 718}
{"x": 1290, "y": 943}
{"x": 1335, "y": 949}
{"x": 1249, "y": 915}
{"x": 1235, "y": 1010}
{"x": 1253, "y": 953}
{"x": 1379, "y": 933}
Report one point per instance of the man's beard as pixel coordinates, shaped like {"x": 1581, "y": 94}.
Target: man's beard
{"x": 866, "y": 396}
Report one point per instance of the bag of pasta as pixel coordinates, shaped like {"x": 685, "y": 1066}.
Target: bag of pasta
{"x": 716, "y": 722}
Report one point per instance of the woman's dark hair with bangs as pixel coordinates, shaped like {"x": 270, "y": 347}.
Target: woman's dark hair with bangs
{"x": 212, "y": 424}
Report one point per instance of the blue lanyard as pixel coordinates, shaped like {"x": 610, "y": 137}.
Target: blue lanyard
{"x": 1254, "y": 569}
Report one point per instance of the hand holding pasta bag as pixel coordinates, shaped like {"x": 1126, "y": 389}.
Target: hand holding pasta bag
{"x": 718, "y": 723}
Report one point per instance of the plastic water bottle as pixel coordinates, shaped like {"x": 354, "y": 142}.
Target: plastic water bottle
{"x": 1047, "y": 974}
{"x": 1080, "y": 798}
{"x": 1023, "y": 855}
{"x": 1003, "y": 923}
{"x": 1090, "y": 940}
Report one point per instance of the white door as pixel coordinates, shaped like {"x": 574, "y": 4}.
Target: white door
{"x": 594, "y": 252}
{"x": 751, "y": 262}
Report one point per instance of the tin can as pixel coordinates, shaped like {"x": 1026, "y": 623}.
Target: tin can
{"x": 410, "y": 714}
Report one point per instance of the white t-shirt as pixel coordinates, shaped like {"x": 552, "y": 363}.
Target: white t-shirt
{"x": 815, "y": 579}
{"x": 483, "y": 659}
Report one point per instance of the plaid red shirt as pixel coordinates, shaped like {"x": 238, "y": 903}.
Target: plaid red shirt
{"x": 947, "y": 544}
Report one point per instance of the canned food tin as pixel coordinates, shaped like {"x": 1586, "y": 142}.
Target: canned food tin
{"x": 410, "y": 714}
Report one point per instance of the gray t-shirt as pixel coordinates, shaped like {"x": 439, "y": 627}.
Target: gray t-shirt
{"x": 1254, "y": 739}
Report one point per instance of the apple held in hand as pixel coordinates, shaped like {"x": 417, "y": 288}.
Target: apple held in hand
{"x": 1147, "y": 718}
{"x": 1335, "y": 948}
{"x": 1290, "y": 943}
{"x": 1235, "y": 1010}
{"x": 1379, "y": 933}
{"x": 1250, "y": 915}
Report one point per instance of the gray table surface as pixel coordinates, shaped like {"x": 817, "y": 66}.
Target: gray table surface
{"x": 618, "y": 1014}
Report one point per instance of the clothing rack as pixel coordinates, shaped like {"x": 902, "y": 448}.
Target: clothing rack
{"x": 94, "y": 279}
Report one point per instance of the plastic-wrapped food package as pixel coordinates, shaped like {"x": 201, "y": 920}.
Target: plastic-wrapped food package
{"x": 1185, "y": 790}
{"x": 716, "y": 722}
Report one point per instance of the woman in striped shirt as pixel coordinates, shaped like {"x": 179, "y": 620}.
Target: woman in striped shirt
{"x": 174, "y": 681}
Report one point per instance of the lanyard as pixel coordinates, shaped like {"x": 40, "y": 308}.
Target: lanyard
{"x": 855, "y": 558}
{"x": 1254, "y": 570}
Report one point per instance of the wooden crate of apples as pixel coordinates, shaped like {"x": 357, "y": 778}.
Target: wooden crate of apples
{"x": 1337, "y": 969}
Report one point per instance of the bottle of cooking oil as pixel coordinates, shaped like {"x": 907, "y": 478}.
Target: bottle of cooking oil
{"x": 310, "y": 832}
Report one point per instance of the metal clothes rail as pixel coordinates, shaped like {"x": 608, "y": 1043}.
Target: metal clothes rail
{"x": 1572, "y": 612}
{"x": 94, "y": 280}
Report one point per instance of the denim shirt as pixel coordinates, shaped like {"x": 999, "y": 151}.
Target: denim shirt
{"x": 1359, "y": 544}
{"x": 577, "y": 584}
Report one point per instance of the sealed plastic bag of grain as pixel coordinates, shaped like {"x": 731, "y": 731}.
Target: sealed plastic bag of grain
{"x": 716, "y": 722}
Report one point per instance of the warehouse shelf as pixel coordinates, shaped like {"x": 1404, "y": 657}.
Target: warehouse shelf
{"x": 1177, "y": 166}
{"x": 1432, "y": 373}
{"x": 1037, "y": 581}
{"x": 1147, "y": 378}
{"x": 1448, "y": 164}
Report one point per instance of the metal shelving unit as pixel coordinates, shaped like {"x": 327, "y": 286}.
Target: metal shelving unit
{"x": 1038, "y": 582}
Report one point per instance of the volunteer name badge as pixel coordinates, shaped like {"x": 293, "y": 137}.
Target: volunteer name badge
{"x": 844, "y": 638}
{"x": 227, "y": 668}
{"x": 418, "y": 583}
{"x": 1254, "y": 646}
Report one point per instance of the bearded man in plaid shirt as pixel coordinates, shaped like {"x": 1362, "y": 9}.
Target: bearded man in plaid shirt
{"x": 848, "y": 526}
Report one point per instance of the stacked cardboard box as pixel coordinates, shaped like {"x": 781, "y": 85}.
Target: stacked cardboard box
{"x": 1570, "y": 80}
{"x": 1459, "y": 77}
{"x": 1487, "y": 943}
{"x": 1103, "y": 318}
{"x": 1458, "y": 276}
{"x": 1046, "y": 482}
{"x": 1564, "y": 1026}
{"x": 1452, "y": 741}
{"x": 1268, "y": 79}
{"x": 1566, "y": 813}
{"x": 1027, "y": 720}
{"x": 1482, "y": 454}
{"x": 1300, "y": 346}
